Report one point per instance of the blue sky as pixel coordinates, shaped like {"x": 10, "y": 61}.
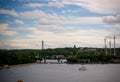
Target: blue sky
{"x": 60, "y": 23}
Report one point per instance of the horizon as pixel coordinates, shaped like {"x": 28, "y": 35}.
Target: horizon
{"x": 57, "y": 48}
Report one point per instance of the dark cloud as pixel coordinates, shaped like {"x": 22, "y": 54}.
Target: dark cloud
{"x": 112, "y": 19}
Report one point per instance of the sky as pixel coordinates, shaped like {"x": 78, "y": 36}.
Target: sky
{"x": 59, "y": 23}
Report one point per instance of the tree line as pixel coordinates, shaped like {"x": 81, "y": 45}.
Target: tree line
{"x": 16, "y": 56}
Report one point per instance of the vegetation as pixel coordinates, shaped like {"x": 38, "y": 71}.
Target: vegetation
{"x": 13, "y": 57}
{"x": 96, "y": 55}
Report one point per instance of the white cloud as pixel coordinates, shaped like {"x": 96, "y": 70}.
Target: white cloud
{"x": 69, "y": 37}
{"x": 18, "y": 22}
{"x": 34, "y": 5}
{"x": 49, "y": 33}
{"x": 54, "y": 19}
{"x": 93, "y": 38}
{"x": 20, "y": 43}
{"x": 55, "y": 28}
{"x": 52, "y": 3}
{"x": 49, "y": 27}
{"x": 85, "y": 20}
{"x": 113, "y": 26}
{"x": 97, "y": 6}
{"x": 35, "y": 14}
{"x": 38, "y": 14}
{"x": 51, "y": 19}
{"x": 4, "y": 30}
{"x": 56, "y": 3}
{"x": 47, "y": 21}
{"x": 9, "y": 12}
{"x": 44, "y": 19}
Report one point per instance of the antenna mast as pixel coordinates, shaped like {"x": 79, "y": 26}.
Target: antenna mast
{"x": 105, "y": 46}
{"x": 43, "y": 51}
{"x": 114, "y": 45}
{"x": 110, "y": 47}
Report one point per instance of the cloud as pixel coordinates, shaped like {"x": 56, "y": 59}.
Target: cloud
{"x": 55, "y": 28}
{"x": 4, "y": 30}
{"x": 34, "y": 5}
{"x": 48, "y": 19}
{"x": 70, "y": 36}
{"x": 61, "y": 31}
{"x": 71, "y": 11}
{"x": 56, "y": 4}
{"x": 85, "y": 20}
{"x": 9, "y": 12}
{"x": 35, "y": 14}
{"x": 27, "y": 14}
{"x": 18, "y": 22}
{"x": 54, "y": 19}
{"x": 52, "y": 3}
{"x": 109, "y": 7}
{"x": 112, "y": 19}
{"x": 39, "y": 14}
{"x": 17, "y": 43}
{"x": 20, "y": 43}
{"x": 44, "y": 32}
{"x": 93, "y": 38}
{"x": 51, "y": 19}
{"x": 44, "y": 19}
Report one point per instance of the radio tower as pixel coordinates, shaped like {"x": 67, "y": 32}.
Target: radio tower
{"x": 43, "y": 51}
{"x": 110, "y": 47}
{"x": 114, "y": 45}
{"x": 105, "y": 46}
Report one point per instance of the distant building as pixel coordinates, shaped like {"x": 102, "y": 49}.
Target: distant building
{"x": 74, "y": 46}
{"x": 70, "y": 56}
{"x": 87, "y": 51}
{"x": 60, "y": 57}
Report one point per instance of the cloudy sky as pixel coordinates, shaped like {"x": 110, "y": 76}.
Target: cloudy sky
{"x": 59, "y": 23}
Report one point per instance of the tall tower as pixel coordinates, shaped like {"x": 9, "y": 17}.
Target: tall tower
{"x": 105, "y": 46}
{"x": 114, "y": 46}
{"x": 42, "y": 44}
{"x": 43, "y": 51}
{"x": 110, "y": 47}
